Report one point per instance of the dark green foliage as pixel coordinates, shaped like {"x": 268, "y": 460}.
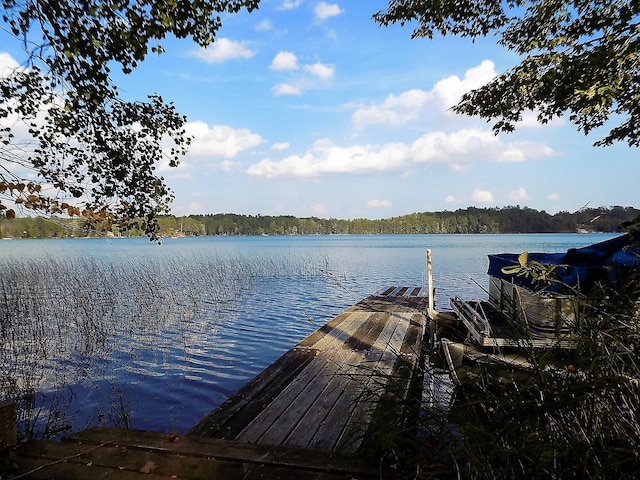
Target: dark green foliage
{"x": 577, "y": 420}
{"x": 577, "y": 58}
{"x": 572, "y": 415}
{"x": 569, "y": 414}
{"x": 98, "y": 151}
{"x": 470, "y": 220}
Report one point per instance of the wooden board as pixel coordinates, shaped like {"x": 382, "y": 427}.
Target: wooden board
{"x": 133, "y": 454}
{"x": 305, "y": 416}
{"x": 324, "y": 392}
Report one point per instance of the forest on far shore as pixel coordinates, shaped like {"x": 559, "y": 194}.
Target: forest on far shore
{"x": 469, "y": 220}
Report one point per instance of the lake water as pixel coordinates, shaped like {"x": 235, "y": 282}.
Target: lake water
{"x": 131, "y": 333}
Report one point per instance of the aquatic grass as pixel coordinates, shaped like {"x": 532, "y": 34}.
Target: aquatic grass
{"x": 65, "y": 322}
{"x": 576, "y": 420}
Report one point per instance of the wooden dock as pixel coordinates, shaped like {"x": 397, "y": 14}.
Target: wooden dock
{"x": 316, "y": 412}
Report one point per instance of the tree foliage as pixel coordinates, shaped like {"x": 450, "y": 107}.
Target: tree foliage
{"x": 578, "y": 57}
{"x": 68, "y": 142}
{"x": 466, "y": 221}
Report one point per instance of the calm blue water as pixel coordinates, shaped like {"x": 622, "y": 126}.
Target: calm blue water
{"x": 163, "y": 364}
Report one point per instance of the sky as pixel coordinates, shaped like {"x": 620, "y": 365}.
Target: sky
{"x": 309, "y": 108}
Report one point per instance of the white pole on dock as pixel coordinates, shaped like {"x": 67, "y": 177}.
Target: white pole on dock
{"x": 432, "y": 325}
{"x": 430, "y": 280}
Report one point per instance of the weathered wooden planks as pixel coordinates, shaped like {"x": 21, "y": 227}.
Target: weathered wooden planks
{"x": 133, "y": 454}
{"x": 307, "y": 416}
{"x": 324, "y": 392}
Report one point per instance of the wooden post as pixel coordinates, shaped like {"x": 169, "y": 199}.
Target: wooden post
{"x": 430, "y": 280}
{"x": 430, "y": 311}
{"x": 8, "y": 425}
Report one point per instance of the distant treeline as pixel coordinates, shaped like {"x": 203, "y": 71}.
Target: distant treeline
{"x": 469, "y": 220}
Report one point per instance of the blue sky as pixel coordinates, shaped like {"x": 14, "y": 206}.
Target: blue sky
{"x": 308, "y": 108}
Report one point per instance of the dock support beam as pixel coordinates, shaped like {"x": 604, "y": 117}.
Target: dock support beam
{"x": 8, "y": 425}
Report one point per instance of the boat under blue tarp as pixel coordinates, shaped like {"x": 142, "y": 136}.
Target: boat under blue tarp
{"x": 580, "y": 268}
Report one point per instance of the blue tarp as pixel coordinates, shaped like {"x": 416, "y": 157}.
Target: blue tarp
{"x": 579, "y": 267}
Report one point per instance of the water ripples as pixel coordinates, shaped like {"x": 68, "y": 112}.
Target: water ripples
{"x": 158, "y": 340}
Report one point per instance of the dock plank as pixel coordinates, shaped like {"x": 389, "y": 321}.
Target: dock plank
{"x": 273, "y": 423}
{"x": 318, "y": 414}
{"x": 295, "y": 410}
{"x": 123, "y": 454}
{"x": 233, "y": 413}
{"x": 329, "y": 403}
{"x": 309, "y": 415}
{"x": 335, "y": 332}
{"x": 373, "y": 378}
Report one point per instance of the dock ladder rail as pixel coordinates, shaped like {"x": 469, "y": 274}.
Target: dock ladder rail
{"x": 475, "y": 321}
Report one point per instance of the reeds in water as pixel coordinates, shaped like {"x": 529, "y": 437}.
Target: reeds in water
{"x": 70, "y": 321}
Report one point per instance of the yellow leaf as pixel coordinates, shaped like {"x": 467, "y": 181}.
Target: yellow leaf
{"x": 522, "y": 259}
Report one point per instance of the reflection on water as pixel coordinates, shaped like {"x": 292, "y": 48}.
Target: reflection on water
{"x": 132, "y": 334}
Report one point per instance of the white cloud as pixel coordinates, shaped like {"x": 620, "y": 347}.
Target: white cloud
{"x": 7, "y": 65}
{"x": 456, "y": 167}
{"x": 456, "y": 149}
{"x": 450, "y": 199}
{"x": 471, "y": 145}
{"x": 227, "y": 166}
{"x": 553, "y": 196}
{"x": 264, "y": 25}
{"x": 398, "y": 109}
{"x": 323, "y": 10}
{"x": 450, "y": 90}
{"x": 375, "y": 203}
{"x": 290, "y": 4}
{"x": 465, "y": 146}
{"x": 530, "y": 120}
{"x": 288, "y": 61}
{"x": 394, "y": 110}
{"x": 280, "y": 146}
{"x": 409, "y": 105}
{"x": 320, "y": 70}
{"x": 519, "y": 195}
{"x": 522, "y": 151}
{"x": 218, "y": 141}
{"x": 178, "y": 173}
{"x": 224, "y": 49}
{"x": 284, "y": 61}
{"x": 326, "y": 158}
{"x": 286, "y": 89}
{"x": 482, "y": 196}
